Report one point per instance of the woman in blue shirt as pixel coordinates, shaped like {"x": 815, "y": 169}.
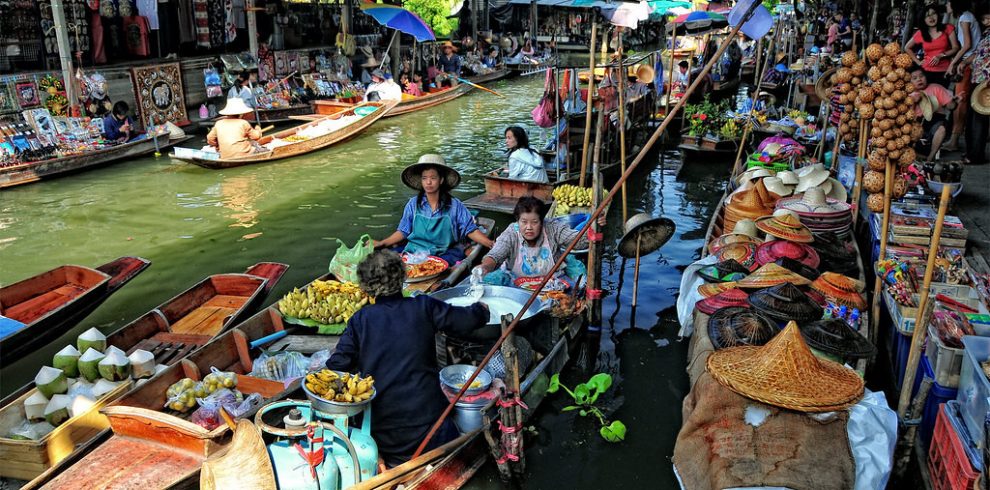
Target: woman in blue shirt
{"x": 434, "y": 221}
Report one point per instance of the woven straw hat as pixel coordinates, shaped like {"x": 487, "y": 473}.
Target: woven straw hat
{"x": 747, "y": 227}
{"x": 810, "y": 176}
{"x": 712, "y": 288}
{"x": 837, "y": 190}
{"x": 981, "y": 99}
{"x": 730, "y": 238}
{"x": 777, "y": 186}
{"x": 785, "y": 225}
{"x": 725, "y": 271}
{"x": 835, "y": 337}
{"x": 235, "y": 107}
{"x": 814, "y": 201}
{"x": 768, "y": 252}
{"x": 652, "y": 232}
{"x": 928, "y": 105}
{"x": 411, "y": 174}
{"x": 754, "y": 173}
{"x": 743, "y": 253}
{"x": 370, "y": 62}
{"x": 732, "y": 297}
{"x": 797, "y": 267}
{"x": 734, "y": 326}
{"x": 788, "y": 177}
{"x": 823, "y": 87}
{"x": 645, "y": 74}
{"x": 785, "y": 373}
{"x": 771, "y": 275}
{"x": 840, "y": 290}
{"x": 785, "y": 302}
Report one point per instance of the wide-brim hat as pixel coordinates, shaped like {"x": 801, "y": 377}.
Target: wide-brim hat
{"x": 730, "y": 238}
{"x": 725, "y": 271}
{"x": 810, "y": 176}
{"x": 771, "y": 275}
{"x": 652, "y": 233}
{"x": 735, "y": 326}
{"x": 378, "y": 73}
{"x": 785, "y": 302}
{"x": 815, "y": 202}
{"x": 785, "y": 225}
{"x": 742, "y": 252}
{"x": 725, "y": 299}
{"x": 366, "y": 50}
{"x": 777, "y": 186}
{"x": 835, "y": 337}
{"x": 710, "y": 289}
{"x": 837, "y": 191}
{"x": 645, "y": 74}
{"x": 448, "y": 44}
{"x": 370, "y": 62}
{"x": 980, "y": 99}
{"x": 823, "y": 87}
{"x": 840, "y": 289}
{"x": 785, "y": 373}
{"x": 788, "y": 177}
{"x": 797, "y": 267}
{"x": 754, "y": 173}
{"x": 235, "y": 107}
{"x": 768, "y": 252}
{"x": 928, "y": 105}
{"x": 411, "y": 174}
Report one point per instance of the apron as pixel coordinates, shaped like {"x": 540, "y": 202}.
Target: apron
{"x": 532, "y": 261}
{"x": 432, "y": 234}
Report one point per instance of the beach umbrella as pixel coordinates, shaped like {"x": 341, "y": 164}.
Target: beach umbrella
{"x": 698, "y": 22}
{"x": 627, "y": 14}
{"x": 400, "y": 19}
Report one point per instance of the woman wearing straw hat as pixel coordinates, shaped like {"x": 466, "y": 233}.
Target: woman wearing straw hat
{"x": 233, "y": 136}
{"x": 433, "y": 221}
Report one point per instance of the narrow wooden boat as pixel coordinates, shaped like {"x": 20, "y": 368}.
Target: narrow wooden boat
{"x": 456, "y": 272}
{"x": 51, "y": 303}
{"x": 27, "y": 173}
{"x": 329, "y": 107}
{"x": 434, "y": 98}
{"x": 497, "y": 74}
{"x": 707, "y": 149}
{"x": 524, "y": 69}
{"x": 501, "y": 193}
{"x": 297, "y": 148}
{"x": 170, "y": 332}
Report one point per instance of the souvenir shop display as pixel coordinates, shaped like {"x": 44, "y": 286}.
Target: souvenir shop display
{"x": 38, "y": 135}
{"x": 159, "y": 93}
{"x": 55, "y": 100}
{"x": 27, "y": 94}
{"x": 93, "y": 94}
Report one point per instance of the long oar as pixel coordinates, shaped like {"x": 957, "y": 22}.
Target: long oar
{"x": 257, "y": 118}
{"x": 475, "y": 85}
{"x": 587, "y": 225}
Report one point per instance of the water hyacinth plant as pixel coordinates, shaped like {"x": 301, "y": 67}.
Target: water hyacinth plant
{"x": 585, "y": 395}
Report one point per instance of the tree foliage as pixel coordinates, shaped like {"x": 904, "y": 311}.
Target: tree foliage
{"x": 434, "y": 13}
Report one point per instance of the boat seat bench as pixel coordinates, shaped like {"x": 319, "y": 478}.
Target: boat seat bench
{"x": 209, "y": 318}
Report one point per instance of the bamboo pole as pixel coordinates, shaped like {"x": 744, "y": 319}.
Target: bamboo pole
{"x": 888, "y": 186}
{"x": 584, "y": 229}
{"x": 623, "y": 75}
{"x": 752, "y": 105}
{"x": 918, "y": 335}
{"x": 587, "y": 119}
{"x": 670, "y": 79}
{"x": 864, "y": 129}
{"x": 639, "y": 237}
{"x": 756, "y": 66}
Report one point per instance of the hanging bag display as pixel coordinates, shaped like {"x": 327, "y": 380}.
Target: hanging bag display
{"x": 212, "y": 80}
{"x": 545, "y": 113}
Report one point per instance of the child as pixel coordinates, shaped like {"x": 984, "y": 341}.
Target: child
{"x": 414, "y": 87}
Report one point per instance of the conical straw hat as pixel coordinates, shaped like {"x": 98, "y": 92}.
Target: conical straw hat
{"x": 784, "y": 224}
{"x": 732, "y": 297}
{"x": 771, "y": 275}
{"x": 735, "y": 325}
{"x": 770, "y": 251}
{"x": 785, "y": 373}
{"x": 785, "y": 302}
{"x": 710, "y": 289}
{"x": 744, "y": 253}
{"x": 840, "y": 289}
{"x": 836, "y": 337}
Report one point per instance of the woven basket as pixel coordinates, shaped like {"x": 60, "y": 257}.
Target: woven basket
{"x": 785, "y": 373}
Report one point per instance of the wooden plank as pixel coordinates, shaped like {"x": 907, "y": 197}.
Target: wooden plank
{"x": 227, "y": 301}
{"x": 147, "y": 465}
{"x": 40, "y": 305}
{"x": 205, "y": 320}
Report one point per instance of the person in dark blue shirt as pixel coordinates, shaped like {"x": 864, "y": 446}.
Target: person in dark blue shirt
{"x": 117, "y": 125}
{"x": 393, "y": 341}
{"x": 449, "y": 64}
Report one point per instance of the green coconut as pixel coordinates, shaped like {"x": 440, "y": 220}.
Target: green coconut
{"x": 102, "y": 387}
{"x": 51, "y": 381}
{"x": 57, "y": 410}
{"x": 79, "y": 404}
{"x": 67, "y": 360}
{"x": 91, "y": 338}
{"x": 115, "y": 366}
{"x": 34, "y": 406}
{"x": 142, "y": 364}
{"x": 89, "y": 364}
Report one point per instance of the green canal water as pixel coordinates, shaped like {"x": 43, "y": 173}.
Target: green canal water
{"x": 191, "y": 222}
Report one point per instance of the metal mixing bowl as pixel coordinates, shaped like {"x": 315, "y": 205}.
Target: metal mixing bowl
{"x": 455, "y": 375}
{"x": 514, "y": 295}
{"x": 337, "y": 408}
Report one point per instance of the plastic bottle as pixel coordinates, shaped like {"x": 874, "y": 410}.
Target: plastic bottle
{"x": 204, "y": 113}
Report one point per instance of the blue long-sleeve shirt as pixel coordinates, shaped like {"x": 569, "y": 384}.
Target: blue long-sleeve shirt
{"x": 111, "y": 126}
{"x": 393, "y": 340}
{"x": 450, "y": 65}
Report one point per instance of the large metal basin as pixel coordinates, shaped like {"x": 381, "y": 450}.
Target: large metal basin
{"x": 501, "y": 300}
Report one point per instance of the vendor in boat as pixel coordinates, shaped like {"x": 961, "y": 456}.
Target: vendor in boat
{"x": 382, "y": 88}
{"x": 434, "y": 221}
{"x": 393, "y": 341}
{"x": 524, "y": 162}
{"x": 449, "y": 65}
{"x": 117, "y": 125}
{"x": 233, "y": 136}
{"x": 530, "y": 246}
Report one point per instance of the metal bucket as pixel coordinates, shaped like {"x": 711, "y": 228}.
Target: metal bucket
{"x": 469, "y": 416}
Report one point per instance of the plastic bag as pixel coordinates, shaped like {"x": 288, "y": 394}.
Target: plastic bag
{"x": 498, "y": 278}
{"x": 345, "y": 261}
{"x": 280, "y": 366}
{"x": 318, "y": 360}
{"x": 219, "y": 379}
{"x": 208, "y": 415}
{"x": 417, "y": 257}
{"x": 181, "y": 396}
{"x": 574, "y": 268}
{"x": 27, "y": 430}
{"x": 211, "y": 78}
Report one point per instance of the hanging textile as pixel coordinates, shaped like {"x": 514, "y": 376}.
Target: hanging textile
{"x": 158, "y": 89}
{"x": 136, "y": 31}
{"x": 149, "y": 9}
{"x": 202, "y": 15}
{"x": 218, "y": 19}
{"x": 187, "y": 21}
{"x": 230, "y": 21}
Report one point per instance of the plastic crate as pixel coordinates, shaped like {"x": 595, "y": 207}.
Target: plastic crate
{"x": 936, "y": 397}
{"x": 946, "y": 361}
{"x": 948, "y": 464}
{"x": 904, "y": 316}
{"x": 974, "y": 387}
{"x": 901, "y": 348}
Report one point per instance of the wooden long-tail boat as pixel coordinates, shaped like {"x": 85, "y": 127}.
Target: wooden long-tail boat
{"x": 501, "y": 193}
{"x": 297, "y": 148}
{"x": 497, "y": 74}
{"x": 434, "y": 98}
{"x": 30, "y": 172}
{"x": 275, "y": 115}
{"x": 51, "y": 303}
{"x": 170, "y": 332}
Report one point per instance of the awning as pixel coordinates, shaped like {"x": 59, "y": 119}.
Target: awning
{"x": 566, "y": 3}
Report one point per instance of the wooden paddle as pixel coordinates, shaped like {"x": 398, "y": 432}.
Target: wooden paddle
{"x": 479, "y": 86}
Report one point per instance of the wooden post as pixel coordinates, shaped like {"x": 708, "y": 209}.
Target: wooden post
{"x": 920, "y": 330}
{"x": 864, "y": 129}
{"x": 623, "y": 75}
{"x": 512, "y": 414}
{"x": 594, "y": 272}
{"x": 888, "y": 186}
{"x": 670, "y": 79}
{"x": 639, "y": 237}
{"x": 873, "y": 22}
{"x": 252, "y": 27}
{"x": 756, "y": 95}
{"x": 64, "y": 52}
{"x": 587, "y": 119}
{"x": 756, "y": 66}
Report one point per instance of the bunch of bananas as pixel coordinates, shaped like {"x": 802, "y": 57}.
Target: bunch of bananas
{"x": 572, "y": 195}
{"x": 327, "y": 302}
{"x": 346, "y": 388}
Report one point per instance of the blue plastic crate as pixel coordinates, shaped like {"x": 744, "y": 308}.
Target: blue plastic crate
{"x": 937, "y": 396}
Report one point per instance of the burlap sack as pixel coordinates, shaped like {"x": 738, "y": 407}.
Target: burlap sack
{"x": 699, "y": 348}
{"x": 717, "y": 449}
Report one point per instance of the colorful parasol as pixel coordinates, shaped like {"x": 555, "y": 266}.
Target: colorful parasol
{"x": 698, "y": 22}
{"x": 400, "y": 19}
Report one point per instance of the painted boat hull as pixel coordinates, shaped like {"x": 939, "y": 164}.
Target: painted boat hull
{"x": 501, "y": 193}
{"x": 426, "y": 101}
{"x": 490, "y": 77}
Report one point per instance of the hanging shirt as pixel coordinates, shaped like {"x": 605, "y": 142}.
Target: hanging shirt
{"x": 149, "y": 10}
{"x": 136, "y": 35}
{"x": 526, "y": 164}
